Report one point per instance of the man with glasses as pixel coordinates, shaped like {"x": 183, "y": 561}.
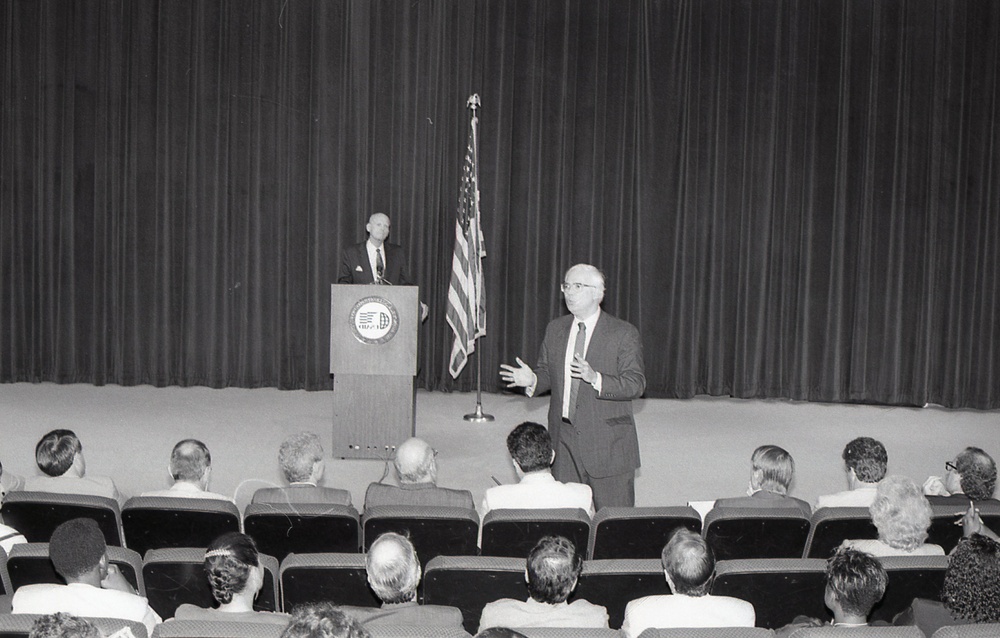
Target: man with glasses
{"x": 971, "y": 476}
{"x": 592, "y": 364}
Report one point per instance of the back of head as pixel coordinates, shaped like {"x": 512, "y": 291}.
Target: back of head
{"x": 901, "y": 513}
{"x": 229, "y": 562}
{"x": 972, "y": 581}
{"x": 393, "y": 568}
{"x": 530, "y": 446}
{"x": 553, "y": 569}
{"x": 63, "y": 625}
{"x": 189, "y": 460}
{"x": 857, "y": 580}
{"x": 868, "y": 458}
{"x": 76, "y": 548}
{"x": 322, "y": 620}
{"x": 689, "y": 563}
{"x": 56, "y": 451}
{"x": 775, "y": 467}
{"x": 500, "y": 632}
{"x": 297, "y": 456}
{"x": 978, "y": 472}
{"x": 415, "y": 463}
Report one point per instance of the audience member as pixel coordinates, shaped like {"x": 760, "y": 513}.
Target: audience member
{"x": 94, "y": 587}
{"x": 62, "y": 625}
{"x": 301, "y": 461}
{"x": 971, "y": 476}
{"x": 855, "y": 582}
{"x": 9, "y": 482}
{"x": 394, "y": 574}
{"x": 773, "y": 470}
{"x": 689, "y": 567}
{"x": 235, "y": 576}
{"x": 416, "y": 471}
{"x": 553, "y": 568}
{"x": 8, "y": 535}
{"x": 902, "y": 516}
{"x": 59, "y": 454}
{"x": 971, "y": 592}
{"x": 865, "y": 461}
{"x": 191, "y": 469}
{"x": 500, "y": 632}
{"x": 530, "y": 448}
{"x": 322, "y": 620}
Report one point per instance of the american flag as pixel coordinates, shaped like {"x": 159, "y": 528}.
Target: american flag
{"x": 466, "y": 296}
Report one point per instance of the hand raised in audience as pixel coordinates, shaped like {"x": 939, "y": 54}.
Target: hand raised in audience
{"x": 972, "y": 523}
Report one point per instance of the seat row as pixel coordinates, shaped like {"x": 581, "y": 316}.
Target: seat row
{"x": 146, "y": 523}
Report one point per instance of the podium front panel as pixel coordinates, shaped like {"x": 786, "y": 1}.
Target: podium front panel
{"x": 373, "y": 329}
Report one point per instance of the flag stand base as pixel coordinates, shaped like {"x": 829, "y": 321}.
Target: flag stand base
{"x": 478, "y": 416}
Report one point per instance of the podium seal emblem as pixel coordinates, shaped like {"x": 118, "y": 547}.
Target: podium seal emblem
{"x": 374, "y": 320}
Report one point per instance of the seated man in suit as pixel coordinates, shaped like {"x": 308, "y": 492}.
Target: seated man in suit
{"x": 689, "y": 567}
{"x": 191, "y": 469}
{"x": 972, "y": 476}
{"x": 552, "y": 571}
{"x": 865, "y": 461}
{"x": 93, "y": 588}
{"x": 773, "y": 470}
{"x": 301, "y": 461}
{"x": 59, "y": 454}
{"x": 530, "y": 448}
{"x": 8, "y": 535}
{"x": 394, "y": 574}
{"x": 416, "y": 471}
{"x": 855, "y": 582}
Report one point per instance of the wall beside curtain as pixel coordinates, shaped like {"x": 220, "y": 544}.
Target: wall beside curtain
{"x": 789, "y": 199}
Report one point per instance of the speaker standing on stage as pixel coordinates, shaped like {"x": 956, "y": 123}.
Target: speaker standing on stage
{"x": 590, "y": 417}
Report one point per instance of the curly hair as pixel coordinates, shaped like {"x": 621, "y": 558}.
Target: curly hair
{"x": 77, "y": 547}
{"x": 56, "y": 451}
{"x": 978, "y": 473}
{"x": 297, "y": 455}
{"x": 867, "y": 457}
{"x": 229, "y": 561}
{"x": 63, "y": 625}
{"x": 553, "y": 568}
{"x": 901, "y": 513}
{"x": 972, "y": 581}
{"x": 776, "y": 467}
{"x": 531, "y": 446}
{"x": 322, "y": 620}
{"x": 856, "y": 579}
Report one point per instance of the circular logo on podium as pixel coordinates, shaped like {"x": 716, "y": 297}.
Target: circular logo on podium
{"x": 374, "y": 320}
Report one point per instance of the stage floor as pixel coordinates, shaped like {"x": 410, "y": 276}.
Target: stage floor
{"x": 695, "y": 449}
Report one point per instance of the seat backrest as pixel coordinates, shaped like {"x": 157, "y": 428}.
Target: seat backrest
{"x": 29, "y": 564}
{"x": 434, "y": 531}
{"x": 615, "y": 583}
{"x": 566, "y": 632}
{"x": 943, "y": 530}
{"x": 638, "y": 532}
{"x": 19, "y": 625}
{"x": 779, "y": 588}
{"x": 157, "y": 522}
{"x": 411, "y": 631}
{"x": 513, "y": 532}
{"x": 469, "y": 582}
{"x": 4, "y": 575}
{"x": 709, "y": 632}
{"x": 985, "y": 630}
{"x": 340, "y": 578}
{"x": 216, "y": 629}
{"x": 284, "y": 528}
{"x": 37, "y": 514}
{"x": 739, "y": 532}
{"x": 909, "y": 577}
{"x": 833, "y": 525}
{"x": 857, "y": 632}
{"x": 177, "y": 575}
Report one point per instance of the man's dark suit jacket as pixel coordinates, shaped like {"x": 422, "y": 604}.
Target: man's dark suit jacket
{"x": 379, "y": 494}
{"x": 603, "y": 434}
{"x": 356, "y": 269}
{"x": 302, "y": 493}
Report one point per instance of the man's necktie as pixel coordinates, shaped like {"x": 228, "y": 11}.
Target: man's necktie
{"x": 578, "y": 350}
{"x": 379, "y": 266}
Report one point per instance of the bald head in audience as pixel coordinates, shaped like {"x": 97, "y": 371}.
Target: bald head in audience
{"x": 415, "y": 462}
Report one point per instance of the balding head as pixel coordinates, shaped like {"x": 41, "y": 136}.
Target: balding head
{"x": 393, "y": 568}
{"x": 378, "y": 228}
{"x": 415, "y": 462}
{"x": 190, "y": 462}
{"x": 583, "y": 290}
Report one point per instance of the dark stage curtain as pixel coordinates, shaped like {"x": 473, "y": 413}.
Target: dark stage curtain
{"x": 793, "y": 199}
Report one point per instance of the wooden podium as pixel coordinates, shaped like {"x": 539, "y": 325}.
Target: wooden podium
{"x": 373, "y": 360}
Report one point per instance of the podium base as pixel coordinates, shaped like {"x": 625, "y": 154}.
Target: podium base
{"x": 478, "y": 416}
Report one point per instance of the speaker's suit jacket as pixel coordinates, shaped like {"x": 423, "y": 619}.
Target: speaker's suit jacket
{"x": 602, "y": 436}
{"x": 356, "y": 269}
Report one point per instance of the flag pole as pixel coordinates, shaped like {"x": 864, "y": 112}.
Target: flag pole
{"x": 478, "y": 416}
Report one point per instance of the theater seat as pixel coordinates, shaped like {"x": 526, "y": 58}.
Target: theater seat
{"x": 909, "y": 577}
{"x": 985, "y": 630}
{"x": 469, "y": 582}
{"x": 615, "y": 583}
{"x": 157, "y": 522}
{"x": 831, "y": 526}
{"x": 434, "y": 531}
{"x": 340, "y": 578}
{"x": 943, "y": 530}
{"x": 858, "y": 632}
{"x": 738, "y": 532}
{"x": 37, "y": 514}
{"x": 29, "y": 564}
{"x": 513, "y": 532}
{"x": 216, "y": 629}
{"x": 637, "y": 532}
{"x": 177, "y": 575}
{"x": 410, "y": 631}
{"x": 566, "y": 632}
{"x": 4, "y": 576}
{"x": 779, "y": 588}
{"x": 280, "y": 529}
{"x": 709, "y": 632}
{"x": 19, "y": 625}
